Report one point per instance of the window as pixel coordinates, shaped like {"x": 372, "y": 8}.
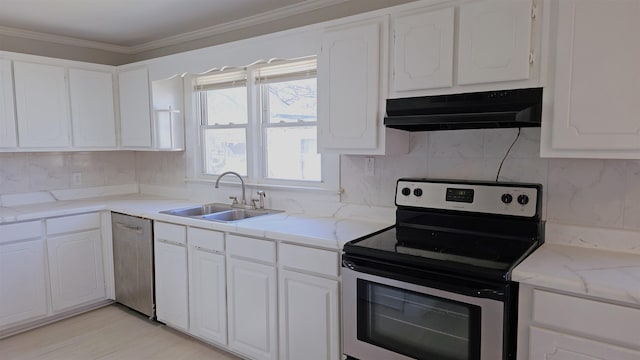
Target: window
{"x": 261, "y": 122}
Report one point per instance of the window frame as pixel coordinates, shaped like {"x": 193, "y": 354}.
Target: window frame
{"x": 256, "y": 128}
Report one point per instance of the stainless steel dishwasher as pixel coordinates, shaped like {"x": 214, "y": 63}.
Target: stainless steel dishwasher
{"x": 133, "y": 262}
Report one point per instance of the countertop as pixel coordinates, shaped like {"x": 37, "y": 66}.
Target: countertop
{"x": 328, "y": 232}
{"x": 593, "y": 272}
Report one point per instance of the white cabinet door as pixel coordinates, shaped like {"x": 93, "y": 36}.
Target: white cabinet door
{"x": 172, "y": 304}
{"x": 494, "y": 41}
{"x": 423, "y": 50}
{"x": 550, "y": 345}
{"x": 207, "y": 295}
{"x": 135, "y": 108}
{"x": 349, "y": 87}
{"x": 252, "y": 302}
{"x": 8, "y": 133}
{"x": 42, "y": 105}
{"x": 92, "y": 108}
{"x": 76, "y": 269}
{"x": 597, "y": 77}
{"x": 309, "y": 318}
{"x": 22, "y": 281}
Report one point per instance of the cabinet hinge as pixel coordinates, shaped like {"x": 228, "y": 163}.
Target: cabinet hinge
{"x": 534, "y": 11}
{"x": 532, "y": 56}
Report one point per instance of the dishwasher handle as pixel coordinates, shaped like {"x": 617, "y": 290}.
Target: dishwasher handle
{"x": 122, "y": 226}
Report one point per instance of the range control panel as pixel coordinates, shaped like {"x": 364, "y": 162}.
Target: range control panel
{"x": 490, "y": 198}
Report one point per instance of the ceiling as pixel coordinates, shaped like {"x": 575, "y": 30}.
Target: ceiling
{"x": 133, "y": 23}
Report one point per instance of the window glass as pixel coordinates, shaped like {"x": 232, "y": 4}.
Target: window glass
{"x": 292, "y": 101}
{"x": 225, "y": 150}
{"x": 226, "y": 106}
{"x": 292, "y": 153}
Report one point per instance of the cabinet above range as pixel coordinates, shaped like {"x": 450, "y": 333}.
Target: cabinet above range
{"x": 458, "y": 46}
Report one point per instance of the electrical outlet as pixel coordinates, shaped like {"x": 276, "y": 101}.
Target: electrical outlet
{"x": 76, "y": 178}
{"x": 369, "y": 166}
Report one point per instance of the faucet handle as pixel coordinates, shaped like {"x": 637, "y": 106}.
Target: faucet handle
{"x": 254, "y": 203}
{"x": 235, "y": 200}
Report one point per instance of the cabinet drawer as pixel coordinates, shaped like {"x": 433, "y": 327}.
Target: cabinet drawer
{"x": 206, "y": 239}
{"x": 73, "y": 223}
{"x": 607, "y": 321}
{"x": 262, "y": 250}
{"x": 303, "y": 258}
{"x": 170, "y": 232}
{"x": 20, "y": 231}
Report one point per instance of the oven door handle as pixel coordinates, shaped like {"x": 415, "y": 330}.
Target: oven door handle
{"x": 478, "y": 291}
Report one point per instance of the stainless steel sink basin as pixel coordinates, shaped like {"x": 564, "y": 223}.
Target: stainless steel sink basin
{"x": 238, "y": 214}
{"x": 199, "y": 210}
{"x": 219, "y": 212}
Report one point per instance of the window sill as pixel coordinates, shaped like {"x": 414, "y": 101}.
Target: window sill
{"x": 269, "y": 186}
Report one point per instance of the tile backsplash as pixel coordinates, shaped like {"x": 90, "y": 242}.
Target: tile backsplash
{"x": 30, "y": 172}
{"x": 601, "y": 193}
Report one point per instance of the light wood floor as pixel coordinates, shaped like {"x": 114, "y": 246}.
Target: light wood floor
{"x": 109, "y": 333}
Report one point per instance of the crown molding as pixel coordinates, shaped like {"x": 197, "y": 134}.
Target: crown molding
{"x": 280, "y": 13}
{"x": 277, "y": 14}
{"x": 63, "y": 40}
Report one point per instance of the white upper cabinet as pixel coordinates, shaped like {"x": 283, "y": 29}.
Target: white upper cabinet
{"x": 423, "y": 50}
{"x": 42, "y": 105}
{"x": 593, "y": 112}
{"x": 8, "y": 133}
{"x": 349, "y": 82}
{"x": 92, "y": 108}
{"x": 351, "y": 73}
{"x": 168, "y": 126}
{"x": 495, "y": 41}
{"x": 135, "y": 108}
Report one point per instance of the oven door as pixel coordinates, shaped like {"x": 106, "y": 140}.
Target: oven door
{"x": 389, "y": 319}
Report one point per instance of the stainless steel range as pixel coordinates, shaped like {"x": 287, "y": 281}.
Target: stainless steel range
{"x": 437, "y": 285}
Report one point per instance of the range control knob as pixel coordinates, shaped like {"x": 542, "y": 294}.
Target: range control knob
{"x": 406, "y": 191}
{"x": 523, "y": 199}
{"x": 417, "y": 192}
{"x": 507, "y": 198}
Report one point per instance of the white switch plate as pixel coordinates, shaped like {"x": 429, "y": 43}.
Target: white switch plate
{"x": 369, "y": 166}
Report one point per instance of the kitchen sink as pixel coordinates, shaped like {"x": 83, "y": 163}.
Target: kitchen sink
{"x": 201, "y": 210}
{"x": 219, "y": 212}
{"x": 238, "y": 214}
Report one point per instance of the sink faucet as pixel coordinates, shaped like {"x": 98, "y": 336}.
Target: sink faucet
{"x": 244, "y": 200}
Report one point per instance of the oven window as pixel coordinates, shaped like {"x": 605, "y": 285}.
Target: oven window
{"x": 417, "y": 325}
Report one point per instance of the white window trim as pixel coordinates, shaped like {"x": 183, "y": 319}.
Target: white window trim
{"x": 195, "y": 147}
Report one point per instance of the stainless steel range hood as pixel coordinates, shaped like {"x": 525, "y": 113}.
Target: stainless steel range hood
{"x": 480, "y": 110}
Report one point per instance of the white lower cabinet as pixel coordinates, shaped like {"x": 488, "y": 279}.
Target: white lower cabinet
{"x": 309, "y": 318}
{"x": 551, "y": 345}
{"x": 22, "y": 273}
{"x": 172, "y": 300}
{"x": 252, "y": 302}
{"x": 76, "y": 269}
{"x": 207, "y": 287}
{"x": 554, "y": 326}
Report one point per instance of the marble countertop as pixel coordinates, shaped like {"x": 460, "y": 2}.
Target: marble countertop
{"x": 599, "y": 273}
{"x": 323, "y": 231}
